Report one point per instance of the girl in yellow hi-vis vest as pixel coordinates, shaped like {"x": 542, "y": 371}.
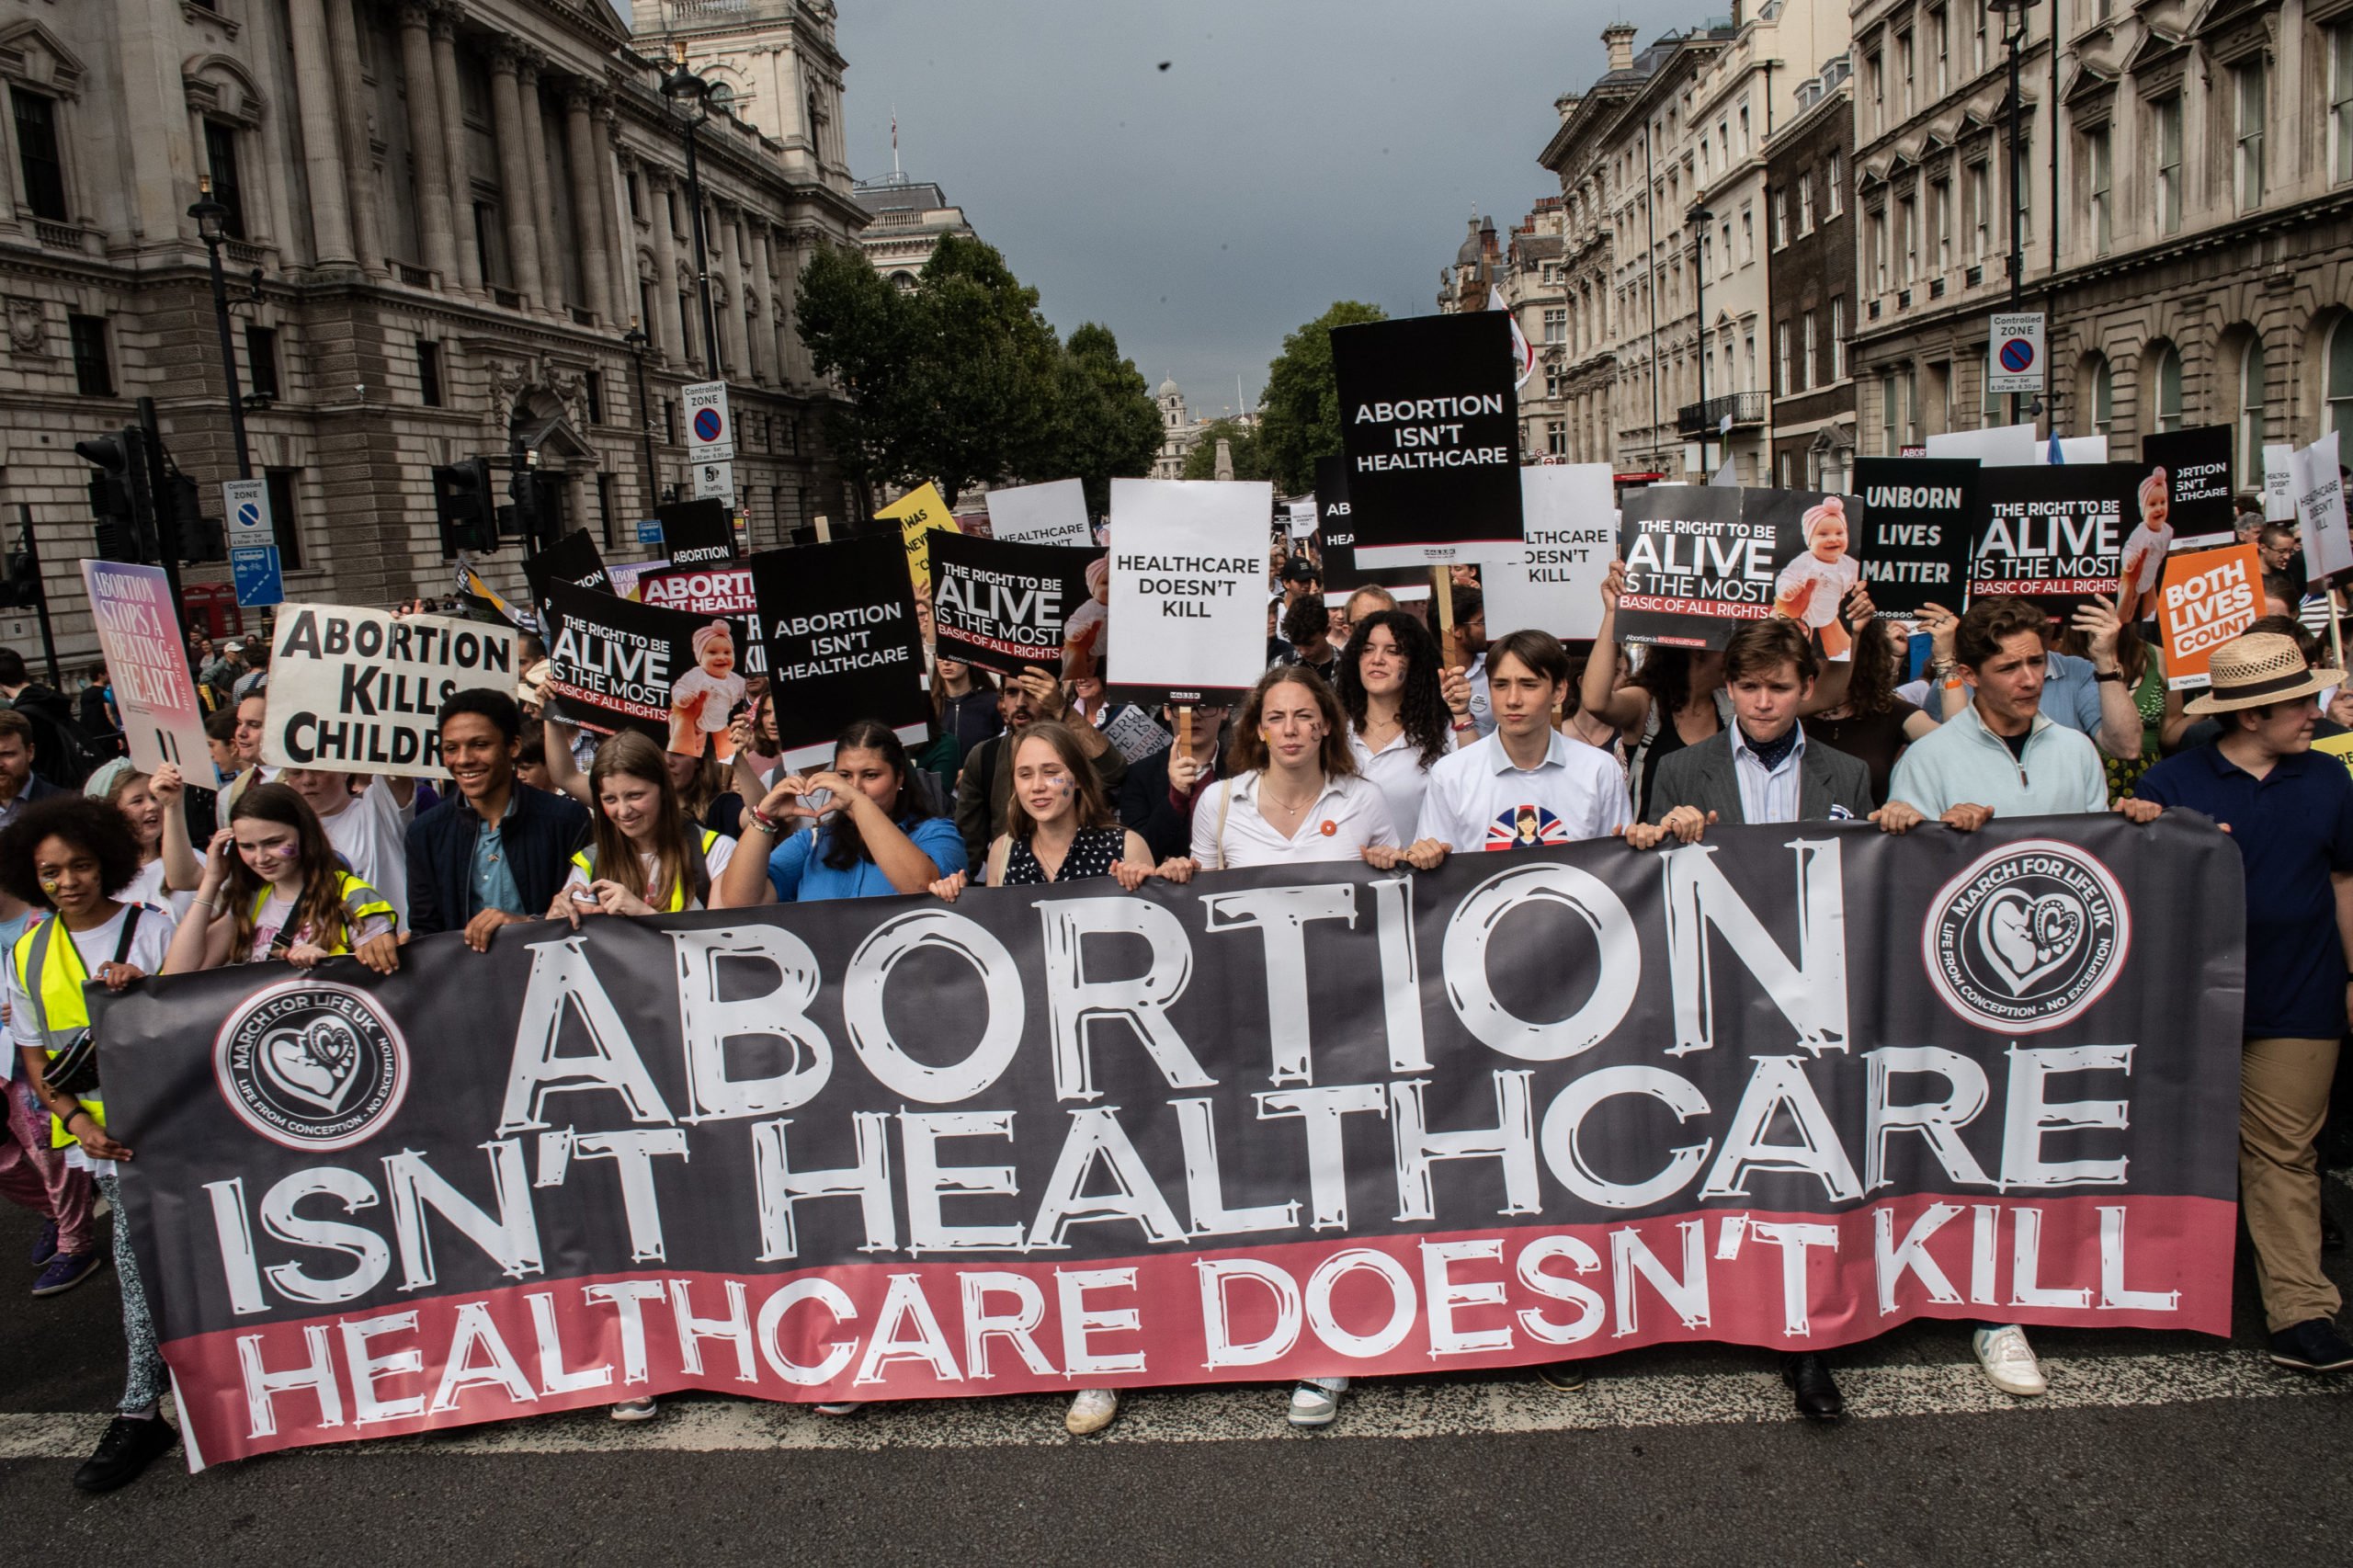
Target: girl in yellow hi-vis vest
{"x": 273, "y": 888}
{"x": 646, "y": 857}
{"x": 74, "y": 857}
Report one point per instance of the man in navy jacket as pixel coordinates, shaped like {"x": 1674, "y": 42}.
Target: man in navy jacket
{"x": 496, "y": 851}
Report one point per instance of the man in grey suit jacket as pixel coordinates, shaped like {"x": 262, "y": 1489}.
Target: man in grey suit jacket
{"x": 1761, "y": 770}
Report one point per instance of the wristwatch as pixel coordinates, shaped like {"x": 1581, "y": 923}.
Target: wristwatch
{"x": 2107, "y": 675}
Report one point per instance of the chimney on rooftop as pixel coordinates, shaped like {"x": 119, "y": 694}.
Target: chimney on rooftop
{"x": 1618, "y": 38}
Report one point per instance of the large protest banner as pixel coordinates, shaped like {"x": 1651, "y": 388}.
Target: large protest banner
{"x": 2208, "y": 597}
{"x": 1571, "y": 529}
{"x": 1920, "y": 514}
{"x": 920, "y": 513}
{"x": 1189, "y": 587}
{"x": 1790, "y": 1087}
{"x": 2053, "y": 534}
{"x": 843, "y": 642}
{"x": 1429, "y": 421}
{"x": 2200, "y": 506}
{"x": 139, "y": 634}
{"x": 1005, "y": 607}
{"x": 358, "y": 690}
{"x": 724, "y": 591}
{"x": 1335, "y": 522}
{"x": 614, "y": 663}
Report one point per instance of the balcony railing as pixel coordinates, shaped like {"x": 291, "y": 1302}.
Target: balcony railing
{"x": 1707, "y": 418}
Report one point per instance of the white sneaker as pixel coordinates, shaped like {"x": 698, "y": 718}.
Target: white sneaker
{"x": 1316, "y": 1400}
{"x": 1091, "y": 1412}
{"x": 643, "y": 1409}
{"x": 842, "y": 1407}
{"x": 2008, "y": 1361}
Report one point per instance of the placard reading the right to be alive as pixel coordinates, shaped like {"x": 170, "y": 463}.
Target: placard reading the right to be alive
{"x": 1694, "y": 570}
{"x": 1429, "y": 420}
{"x": 2053, "y": 534}
{"x": 1188, "y": 586}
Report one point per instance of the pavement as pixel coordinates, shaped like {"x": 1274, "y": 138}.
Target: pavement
{"x": 2150, "y": 1448}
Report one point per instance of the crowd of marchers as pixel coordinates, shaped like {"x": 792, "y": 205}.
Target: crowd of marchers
{"x": 1372, "y": 736}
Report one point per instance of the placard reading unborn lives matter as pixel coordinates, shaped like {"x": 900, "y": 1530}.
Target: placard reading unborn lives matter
{"x": 147, "y": 664}
{"x": 1921, "y": 513}
{"x": 359, "y": 691}
{"x": 1188, "y": 586}
{"x": 1571, "y": 529}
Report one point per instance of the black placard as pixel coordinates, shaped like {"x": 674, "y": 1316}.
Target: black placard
{"x": 1336, "y": 532}
{"x": 1695, "y": 571}
{"x": 839, "y": 622}
{"x": 2200, "y": 506}
{"x": 1005, "y": 607}
{"x": 1430, "y": 424}
{"x": 574, "y": 560}
{"x": 697, "y": 533}
{"x": 1919, "y": 515}
{"x": 616, "y": 664}
{"x": 2054, "y": 534}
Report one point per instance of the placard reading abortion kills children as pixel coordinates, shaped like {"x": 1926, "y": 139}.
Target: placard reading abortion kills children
{"x": 359, "y": 691}
{"x": 1791, "y": 1087}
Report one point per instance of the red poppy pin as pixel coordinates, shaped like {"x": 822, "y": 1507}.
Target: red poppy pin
{"x": 1329, "y": 827}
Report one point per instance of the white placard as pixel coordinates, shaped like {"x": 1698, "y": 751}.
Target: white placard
{"x": 2280, "y": 483}
{"x": 710, "y": 430}
{"x": 1302, "y": 518}
{"x": 1189, "y": 584}
{"x": 1135, "y": 733}
{"x": 2014, "y": 355}
{"x": 715, "y": 480}
{"x": 1053, "y": 512}
{"x": 2320, "y": 507}
{"x": 2002, "y": 446}
{"x": 1572, "y": 532}
{"x": 359, "y": 691}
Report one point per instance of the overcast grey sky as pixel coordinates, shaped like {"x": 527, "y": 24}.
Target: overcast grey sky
{"x": 1292, "y": 154}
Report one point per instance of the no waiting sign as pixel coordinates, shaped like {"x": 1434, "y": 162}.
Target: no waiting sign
{"x": 2013, "y": 360}
{"x": 710, "y": 436}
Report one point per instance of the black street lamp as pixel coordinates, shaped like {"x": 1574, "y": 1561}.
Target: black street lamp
{"x": 212, "y": 227}
{"x": 636, "y": 342}
{"x": 2011, "y": 39}
{"x": 1699, "y": 218}
{"x": 691, "y": 100}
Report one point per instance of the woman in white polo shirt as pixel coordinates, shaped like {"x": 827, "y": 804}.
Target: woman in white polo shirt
{"x": 1292, "y": 794}
{"x": 1403, "y": 712}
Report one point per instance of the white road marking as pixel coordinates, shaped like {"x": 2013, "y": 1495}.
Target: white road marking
{"x": 1383, "y": 1408}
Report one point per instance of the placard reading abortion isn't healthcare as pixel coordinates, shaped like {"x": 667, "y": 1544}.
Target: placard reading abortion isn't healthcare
{"x": 1790, "y": 1087}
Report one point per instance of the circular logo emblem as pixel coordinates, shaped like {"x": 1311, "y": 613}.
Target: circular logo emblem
{"x": 2017, "y": 354}
{"x": 2026, "y": 938}
{"x": 707, "y": 425}
{"x": 1329, "y": 827}
{"x": 311, "y": 1066}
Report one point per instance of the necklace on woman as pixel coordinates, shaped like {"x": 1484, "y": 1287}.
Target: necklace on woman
{"x": 1293, "y": 809}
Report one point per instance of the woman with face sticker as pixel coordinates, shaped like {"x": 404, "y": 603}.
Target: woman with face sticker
{"x": 168, "y": 868}
{"x": 274, "y": 889}
{"x": 74, "y": 859}
{"x": 647, "y": 854}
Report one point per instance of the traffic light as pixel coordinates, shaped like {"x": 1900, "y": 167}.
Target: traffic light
{"x": 20, "y": 584}
{"x": 532, "y": 515}
{"x": 461, "y": 505}
{"x": 118, "y": 498}
{"x": 185, "y": 532}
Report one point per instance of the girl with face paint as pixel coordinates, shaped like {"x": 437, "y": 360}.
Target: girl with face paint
{"x": 274, "y": 888}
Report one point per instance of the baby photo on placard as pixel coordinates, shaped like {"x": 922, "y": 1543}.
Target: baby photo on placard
{"x": 1816, "y": 559}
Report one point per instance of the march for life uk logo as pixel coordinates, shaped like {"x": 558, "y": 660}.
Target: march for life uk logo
{"x": 311, "y": 1066}
{"x": 2027, "y": 937}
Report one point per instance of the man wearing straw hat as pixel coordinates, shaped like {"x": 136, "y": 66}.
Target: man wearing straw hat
{"x": 2290, "y": 813}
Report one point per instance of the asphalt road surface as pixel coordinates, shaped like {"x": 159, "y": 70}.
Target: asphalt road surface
{"x": 2150, "y": 1448}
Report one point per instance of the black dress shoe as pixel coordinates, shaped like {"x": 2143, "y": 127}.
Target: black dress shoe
{"x": 2331, "y": 1234}
{"x": 1809, "y": 1377}
{"x": 129, "y": 1447}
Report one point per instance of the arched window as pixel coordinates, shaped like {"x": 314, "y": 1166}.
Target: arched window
{"x": 2338, "y": 416}
{"x": 2096, "y": 385}
{"x": 2252, "y": 372}
{"x": 2165, "y": 387}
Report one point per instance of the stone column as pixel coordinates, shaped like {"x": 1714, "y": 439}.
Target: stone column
{"x": 517, "y": 196}
{"x": 359, "y": 159}
{"x": 731, "y": 318}
{"x": 587, "y": 208}
{"x": 763, "y": 316}
{"x": 535, "y": 153}
{"x": 321, "y": 152}
{"x": 424, "y": 142}
{"x": 667, "y": 331}
{"x": 453, "y": 147}
{"x": 614, "y": 215}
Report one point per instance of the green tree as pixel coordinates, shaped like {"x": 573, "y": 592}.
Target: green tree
{"x": 1249, "y": 453}
{"x": 952, "y": 381}
{"x": 1300, "y": 413}
{"x": 1106, "y": 426}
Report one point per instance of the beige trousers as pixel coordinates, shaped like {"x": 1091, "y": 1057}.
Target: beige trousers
{"x": 2284, "y": 1093}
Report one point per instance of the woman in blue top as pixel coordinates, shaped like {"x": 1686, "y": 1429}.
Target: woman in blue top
{"x": 861, "y": 833}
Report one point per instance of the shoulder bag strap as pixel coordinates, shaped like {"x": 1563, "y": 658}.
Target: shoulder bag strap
{"x": 1224, "y": 804}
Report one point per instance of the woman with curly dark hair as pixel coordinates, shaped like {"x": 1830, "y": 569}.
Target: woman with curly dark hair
{"x": 1403, "y": 712}
{"x": 1875, "y": 725}
{"x": 73, "y": 855}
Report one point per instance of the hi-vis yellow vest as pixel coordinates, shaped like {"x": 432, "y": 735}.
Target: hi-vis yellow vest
{"x": 54, "y": 987}
{"x": 586, "y": 861}
{"x": 359, "y": 901}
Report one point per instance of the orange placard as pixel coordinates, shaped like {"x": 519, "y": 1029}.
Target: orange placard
{"x": 2208, "y": 597}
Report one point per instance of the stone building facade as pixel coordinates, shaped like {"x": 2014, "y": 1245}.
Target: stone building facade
{"x": 1812, "y": 283}
{"x": 905, "y": 221}
{"x": 2189, "y": 217}
{"x": 444, "y": 215}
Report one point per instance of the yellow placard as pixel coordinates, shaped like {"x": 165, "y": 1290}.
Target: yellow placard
{"x": 917, "y": 513}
